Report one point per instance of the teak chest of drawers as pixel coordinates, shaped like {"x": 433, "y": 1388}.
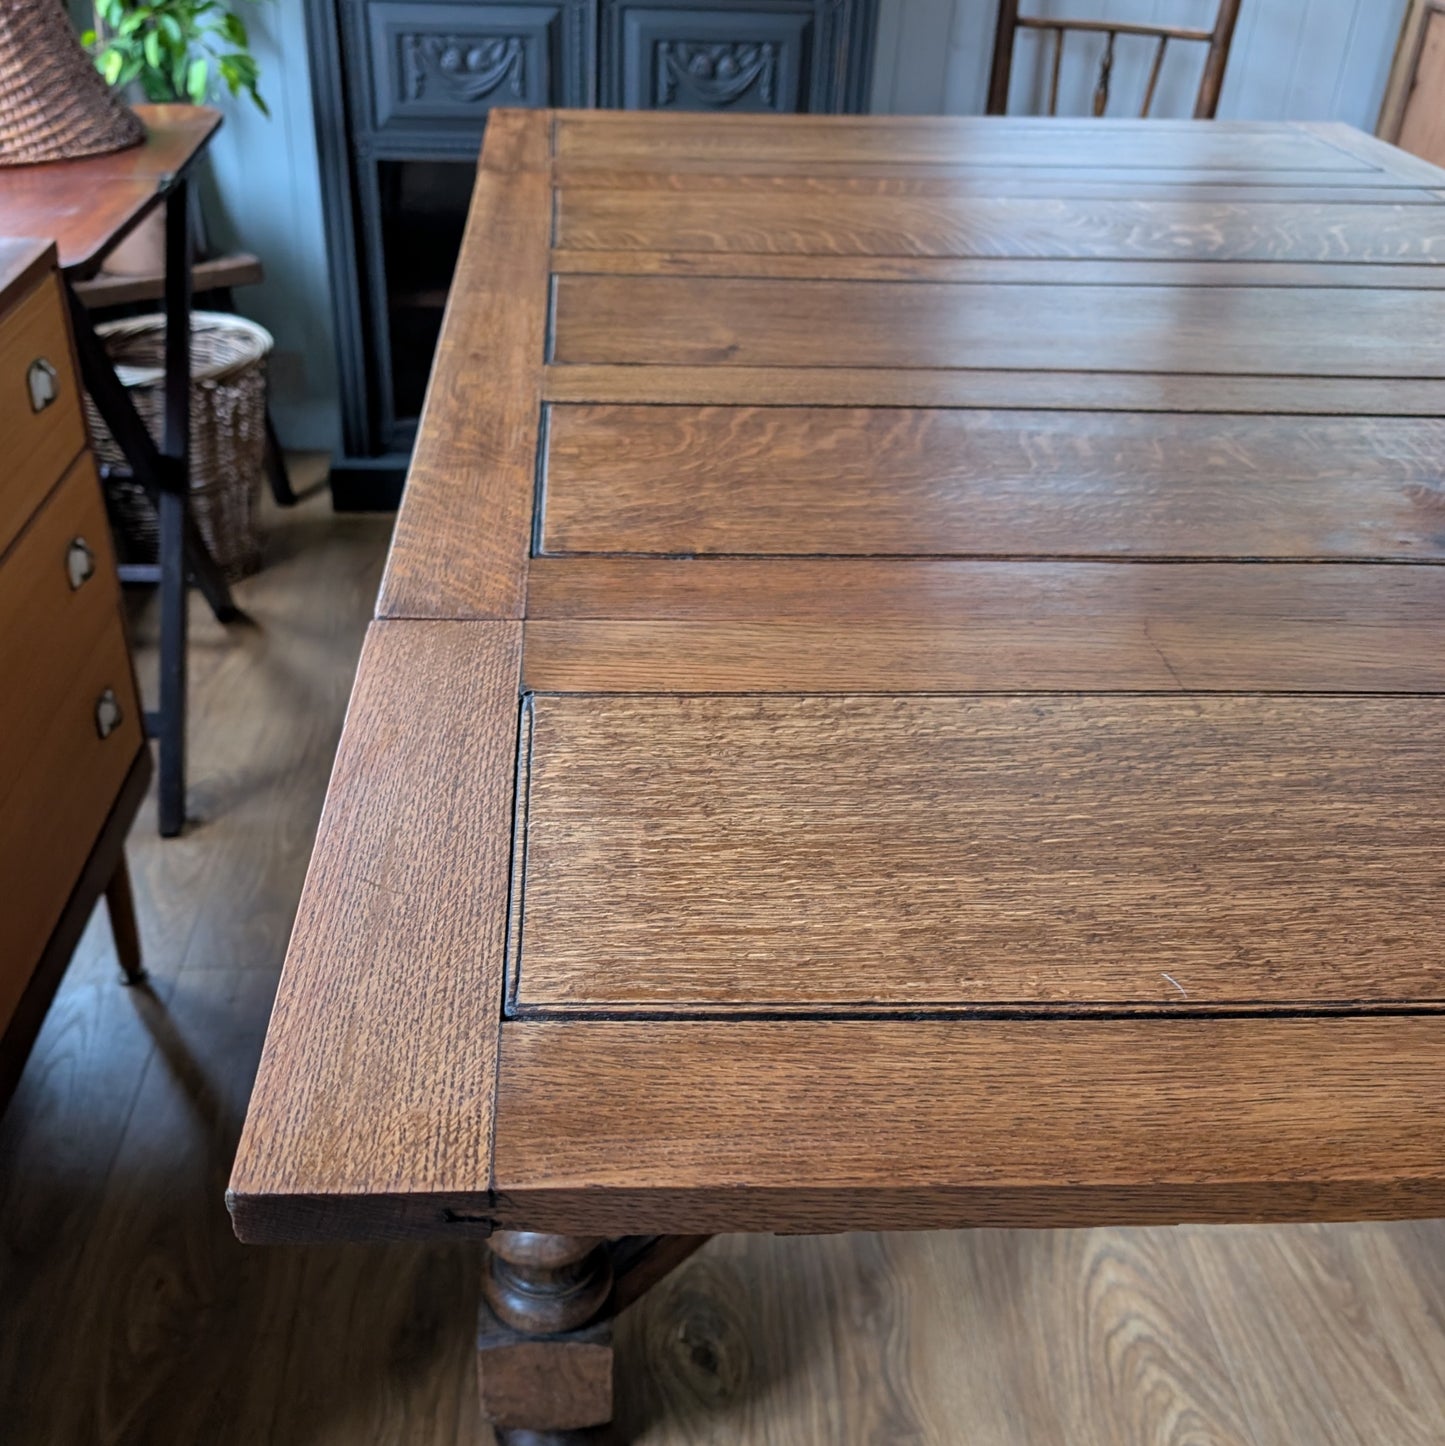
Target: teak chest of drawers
{"x": 73, "y": 758}
{"x": 908, "y": 693}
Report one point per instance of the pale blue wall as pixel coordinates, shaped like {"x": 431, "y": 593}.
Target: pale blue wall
{"x": 1293, "y": 59}
{"x": 263, "y": 195}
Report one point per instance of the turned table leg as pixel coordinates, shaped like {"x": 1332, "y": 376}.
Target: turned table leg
{"x": 544, "y": 1339}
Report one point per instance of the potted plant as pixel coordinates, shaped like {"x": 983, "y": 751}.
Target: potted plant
{"x": 178, "y": 51}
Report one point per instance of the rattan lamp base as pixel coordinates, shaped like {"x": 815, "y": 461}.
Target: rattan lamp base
{"x": 54, "y": 105}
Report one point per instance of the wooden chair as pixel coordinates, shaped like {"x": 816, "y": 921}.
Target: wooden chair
{"x": 1010, "y": 22}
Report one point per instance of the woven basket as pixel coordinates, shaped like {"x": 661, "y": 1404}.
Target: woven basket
{"x": 54, "y": 104}
{"x": 228, "y": 432}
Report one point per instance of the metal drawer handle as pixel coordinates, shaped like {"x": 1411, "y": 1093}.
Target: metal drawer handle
{"x": 44, "y": 383}
{"x": 108, "y": 716}
{"x": 79, "y": 563}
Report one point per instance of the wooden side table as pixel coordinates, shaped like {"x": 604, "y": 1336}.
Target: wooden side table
{"x": 87, "y": 206}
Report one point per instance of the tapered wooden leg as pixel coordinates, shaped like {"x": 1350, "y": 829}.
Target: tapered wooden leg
{"x": 120, "y": 903}
{"x": 544, "y": 1340}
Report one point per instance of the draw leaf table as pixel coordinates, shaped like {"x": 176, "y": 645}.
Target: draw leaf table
{"x": 909, "y": 692}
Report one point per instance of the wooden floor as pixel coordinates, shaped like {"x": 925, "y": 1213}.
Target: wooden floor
{"x": 129, "y": 1314}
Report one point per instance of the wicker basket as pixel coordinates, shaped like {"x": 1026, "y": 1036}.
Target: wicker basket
{"x": 54, "y": 105}
{"x": 228, "y": 432}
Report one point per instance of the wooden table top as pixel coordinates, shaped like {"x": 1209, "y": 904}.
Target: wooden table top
{"x": 908, "y": 692}
{"x": 88, "y": 205}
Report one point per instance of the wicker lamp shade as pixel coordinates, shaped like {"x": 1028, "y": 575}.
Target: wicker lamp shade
{"x": 54, "y": 105}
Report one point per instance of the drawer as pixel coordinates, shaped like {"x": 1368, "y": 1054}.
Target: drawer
{"x": 42, "y": 431}
{"x": 58, "y": 593}
{"x": 53, "y": 807}
{"x": 445, "y": 65}
{"x": 723, "y": 58}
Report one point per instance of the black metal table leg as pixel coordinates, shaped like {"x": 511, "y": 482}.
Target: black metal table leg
{"x": 165, "y": 473}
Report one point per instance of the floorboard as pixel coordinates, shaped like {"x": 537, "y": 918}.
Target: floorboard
{"x": 128, "y": 1313}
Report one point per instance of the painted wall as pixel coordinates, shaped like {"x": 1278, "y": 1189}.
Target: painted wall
{"x": 263, "y": 194}
{"x": 1292, "y": 59}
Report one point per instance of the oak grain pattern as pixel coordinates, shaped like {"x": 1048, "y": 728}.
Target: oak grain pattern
{"x": 984, "y": 226}
{"x": 1005, "y": 270}
{"x": 676, "y": 142}
{"x": 871, "y": 386}
{"x": 924, "y": 1124}
{"x": 460, "y": 547}
{"x": 1052, "y": 597}
{"x": 912, "y": 850}
{"x": 894, "y": 481}
{"x": 373, "y": 1106}
{"x": 660, "y": 321}
{"x": 1364, "y": 648}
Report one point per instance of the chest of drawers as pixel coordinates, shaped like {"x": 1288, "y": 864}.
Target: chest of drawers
{"x": 73, "y": 758}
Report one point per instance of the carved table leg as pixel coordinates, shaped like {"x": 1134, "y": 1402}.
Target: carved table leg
{"x": 544, "y": 1358}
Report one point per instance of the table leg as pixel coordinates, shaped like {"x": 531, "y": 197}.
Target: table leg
{"x": 121, "y": 904}
{"x": 544, "y": 1340}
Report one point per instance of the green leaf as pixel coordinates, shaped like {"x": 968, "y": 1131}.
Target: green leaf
{"x": 196, "y": 78}
{"x": 87, "y": 38}
{"x": 234, "y": 29}
{"x": 110, "y": 64}
{"x": 171, "y": 28}
{"x": 153, "y": 53}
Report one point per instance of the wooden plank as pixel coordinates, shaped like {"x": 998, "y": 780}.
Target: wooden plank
{"x": 835, "y": 386}
{"x": 915, "y": 851}
{"x": 931, "y": 1124}
{"x": 1109, "y": 598}
{"x": 215, "y": 274}
{"x": 1124, "y": 182}
{"x": 660, "y": 321}
{"x": 806, "y": 224}
{"x": 895, "y": 481}
{"x": 461, "y": 542}
{"x": 1002, "y": 270}
{"x": 372, "y": 1111}
{"x": 669, "y": 142}
{"x": 1367, "y": 648}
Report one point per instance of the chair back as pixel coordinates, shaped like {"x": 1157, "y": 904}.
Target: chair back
{"x": 1206, "y": 102}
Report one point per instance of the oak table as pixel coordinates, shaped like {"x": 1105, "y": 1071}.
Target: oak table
{"x": 907, "y": 693}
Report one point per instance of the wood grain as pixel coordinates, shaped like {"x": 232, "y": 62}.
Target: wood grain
{"x": 39, "y": 445}
{"x": 385, "y": 1018}
{"x": 51, "y": 627}
{"x": 1058, "y": 599}
{"x": 848, "y": 386}
{"x": 1004, "y": 270}
{"x": 676, "y": 142}
{"x": 925, "y": 1124}
{"x": 809, "y": 225}
{"x": 660, "y": 321}
{"x": 880, "y": 482}
{"x": 89, "y": 204}
{"x": 472, "y": 473}
{"x": 802, "y": 851}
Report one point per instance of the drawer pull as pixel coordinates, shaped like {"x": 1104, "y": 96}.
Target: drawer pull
{"x": 108, "y": 716}
{"x": 44, "y": 384}
{"x": 79, "y": 563}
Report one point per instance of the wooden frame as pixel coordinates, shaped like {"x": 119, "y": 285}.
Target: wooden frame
{"x": 1218, "y": 38}
{"x": 1404, "y": 66}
